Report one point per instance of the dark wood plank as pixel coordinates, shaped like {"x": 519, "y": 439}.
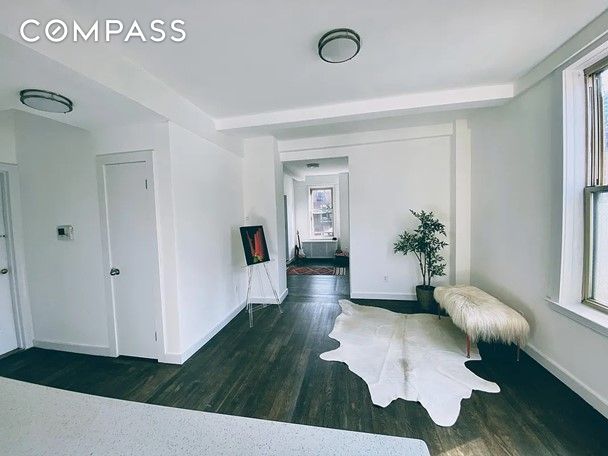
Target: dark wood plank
{"x": 273, "y": 371}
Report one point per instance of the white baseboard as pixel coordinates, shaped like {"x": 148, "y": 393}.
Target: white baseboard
{"x": 382, "y": 295}
{"x": 571, "y": 381}
{"x": 171, "y": 358}
{"x": 98, "y": 350}
{"x": 269, "y": 300}
{"x": 181, "y": 358}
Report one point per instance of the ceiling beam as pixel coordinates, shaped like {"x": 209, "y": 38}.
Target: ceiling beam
{"x": 461, "y": 98}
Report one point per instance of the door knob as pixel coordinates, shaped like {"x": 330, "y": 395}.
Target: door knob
{"x": 113, "y": 271}
{"x": 3, "y": 271}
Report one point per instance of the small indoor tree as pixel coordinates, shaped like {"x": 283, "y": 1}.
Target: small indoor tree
{"x": 424, "y": 242}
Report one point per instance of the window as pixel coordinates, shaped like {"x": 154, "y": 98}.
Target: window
{"x": 321, "y": 212}
{"x": 595, "y": 272}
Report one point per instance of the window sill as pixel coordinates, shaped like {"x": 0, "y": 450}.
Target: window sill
{"x": 585, "y": 315}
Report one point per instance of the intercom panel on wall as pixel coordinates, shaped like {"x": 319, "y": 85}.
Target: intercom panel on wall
{"x": 65, "y": 232}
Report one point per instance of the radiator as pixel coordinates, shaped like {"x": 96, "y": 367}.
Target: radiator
{"x": 319, "y": 248}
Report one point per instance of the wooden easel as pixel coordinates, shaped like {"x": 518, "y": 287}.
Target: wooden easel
{"x": 251, "y": 306}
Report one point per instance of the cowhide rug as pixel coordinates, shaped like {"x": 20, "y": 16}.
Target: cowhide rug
{"x": 417, "y": 357}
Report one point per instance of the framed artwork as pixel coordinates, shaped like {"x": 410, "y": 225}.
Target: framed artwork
{"x": 254, "y": 244}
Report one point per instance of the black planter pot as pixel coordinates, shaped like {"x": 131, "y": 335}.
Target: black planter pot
{"x": 426, "y": 301}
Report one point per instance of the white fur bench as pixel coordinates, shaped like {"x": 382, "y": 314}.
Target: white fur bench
{"x": 482, "y": 317}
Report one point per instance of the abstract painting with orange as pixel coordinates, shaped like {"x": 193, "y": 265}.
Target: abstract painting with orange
{"x": 254, "y": 244}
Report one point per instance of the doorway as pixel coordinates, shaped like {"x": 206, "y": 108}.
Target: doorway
{"x": 321, "y": 226}
{"x": 131, "y": 252}
{"x": 9, "y": 315}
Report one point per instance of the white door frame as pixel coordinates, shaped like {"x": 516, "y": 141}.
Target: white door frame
{"x": 146, "y": 156}
{"x": 9, "y": 182}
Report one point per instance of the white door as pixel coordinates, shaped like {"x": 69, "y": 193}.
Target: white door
{"x": 8, "y": 334}
{"x": 132, "y": 250}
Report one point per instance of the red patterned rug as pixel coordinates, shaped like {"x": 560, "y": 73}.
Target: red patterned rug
{"x": 311, "y": 270}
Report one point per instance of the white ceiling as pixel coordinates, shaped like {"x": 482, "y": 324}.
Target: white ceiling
{"x": 95, "y": 106}
{"x": 250, "y": 68}
{"x": 243, "y": 57}
{"x": 299, "y": 170}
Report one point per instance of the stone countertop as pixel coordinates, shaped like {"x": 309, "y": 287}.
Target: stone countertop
{"x": 38, "y": 420}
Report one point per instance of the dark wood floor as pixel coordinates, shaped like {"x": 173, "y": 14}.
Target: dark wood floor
{"x": 273, "y": 371}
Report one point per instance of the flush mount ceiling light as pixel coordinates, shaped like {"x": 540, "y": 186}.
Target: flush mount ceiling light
{"x": 312, "y": 165}
{"x": 339, "y": 45}
{"x": 46, "y": 101}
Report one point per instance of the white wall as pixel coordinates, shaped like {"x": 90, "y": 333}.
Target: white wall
{"x": 199, "y": 209}
{"x": 263, "y": 189}
{"x": 302, "y": 223}
{"x": 386, "y": 181}
{"x": 155, "y": 137}
{"x": 344, "y": 205}
{"x": 208, "y": 210}
{"x": 516, "y": 231}
{"x": 65, "y": 279}
{"x": 415, "y": 170}
{"x": 8, "y": 151}
{"x": 288, "y": 191}
{"x": 341, "y": 194}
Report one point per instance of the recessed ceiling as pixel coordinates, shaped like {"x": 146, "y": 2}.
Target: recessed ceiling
{"x": 243, "y": 57}
{"x": 300, "y": 170}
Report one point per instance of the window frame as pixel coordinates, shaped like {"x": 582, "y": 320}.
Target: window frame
{"x": 589, "y": 251}
{"x": 596, "y": 174}
{"x": 595, "y": 117}
{"x": 311, "y": 213}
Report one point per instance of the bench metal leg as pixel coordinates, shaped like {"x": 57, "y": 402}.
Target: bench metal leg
{"x": 468, "y": 347}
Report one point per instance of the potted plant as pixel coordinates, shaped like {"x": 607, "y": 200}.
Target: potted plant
{"x": 425, "y": 244}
